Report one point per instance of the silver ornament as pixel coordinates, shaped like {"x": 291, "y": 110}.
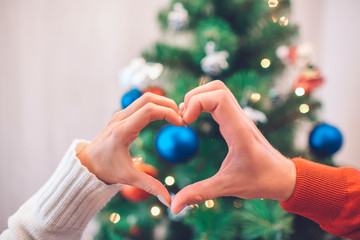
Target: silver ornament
{"x": 214, "y": 62}
{"x": 178, "y": 18}
{"x": 139, "y": 73}
{"x": 255, "y": 115}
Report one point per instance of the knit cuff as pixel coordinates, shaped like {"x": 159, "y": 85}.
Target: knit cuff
{"x": 320, "y": 192}
{"x": 73, "y": 195}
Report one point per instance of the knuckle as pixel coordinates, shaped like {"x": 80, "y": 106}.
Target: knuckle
{"x": 219, "y": 84}
{"x": 195, "y": 99}
{"x": 118, "y": 131}
{"x": 147, "y": 97}
{"x": 148, "y": 188}
{"x": 222, "y": 95}
{"x": 199, "y": 198}
{"x": 187, "y": 97}
{"x": 150, "y": 110}
{"x": 116, "y": 116}
{"x": 149, "y": 107}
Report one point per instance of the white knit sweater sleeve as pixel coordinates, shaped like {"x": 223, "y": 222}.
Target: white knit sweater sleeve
{"x": 62, "y": 208}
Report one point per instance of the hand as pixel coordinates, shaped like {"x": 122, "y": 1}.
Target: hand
{"x": 108, "y": 157}
{"x": 252, "y": 167}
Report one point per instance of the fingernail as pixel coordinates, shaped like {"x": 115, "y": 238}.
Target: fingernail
{"x": 184, "y": 123}
{"x": 162, "y": 200}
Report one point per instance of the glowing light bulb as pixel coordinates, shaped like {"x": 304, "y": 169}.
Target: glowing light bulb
{"x": 114, "y": 217}
{"x": 169, "y": 180}
{"x": 194, "y": 206}
{"x": 299, "y": 91}
{"x": 274, "y": 19}
{"x": 265, "y": 63}
{"x": 209, "y": 203}
{"x": 273, "y": 3}
{"x": 304, "y": 108}
{"x": 283, "y": 21}
{"x": 155, "y": 211}
{"x": 137, "y": 160}
{"x": 255, "y": 97}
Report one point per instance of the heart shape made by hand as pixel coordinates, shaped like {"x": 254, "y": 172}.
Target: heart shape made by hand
{"x": 252, "y": 167}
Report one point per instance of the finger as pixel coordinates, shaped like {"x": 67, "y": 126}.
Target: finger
{"x": 152, "y": 186}
{"x": 225, "y": 111}
{"x": 196, "y": 193}
{"x": 181, "y": 106}
{"x": 148, "y": 113}
{"x": 143, "y": 100}
{"x": 211, "y": 86}
{"x": 217, "y": 102}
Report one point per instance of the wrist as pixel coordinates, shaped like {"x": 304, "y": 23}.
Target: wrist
{"x": 83, "y": 156}
{"x": 288, "y": 180}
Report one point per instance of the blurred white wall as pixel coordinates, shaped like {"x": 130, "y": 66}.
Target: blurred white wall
{"x": 332, "y": 26}
{"x": 59, "y": 62}
{"x": 58, "y": 76}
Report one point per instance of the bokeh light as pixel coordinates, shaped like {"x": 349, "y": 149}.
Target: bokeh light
{"x": 283, "y": 21}
{"x": 255, "y": 97}
{"x": 273, "y": 3}
{"x": 169, "y": 180}
{"x": 155, "y": 211}
{"x": 265, "y": 63}
{"x": 304, "y": 108}
{"x": 114, "y": 217}
{"x": 299, "y": 91}
{"x": 209, "y": 203}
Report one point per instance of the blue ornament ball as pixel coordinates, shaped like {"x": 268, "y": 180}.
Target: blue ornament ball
{"x": 325, "y": 140}
{"x": 129, "y": 97}
{"x": 176, "y": 144}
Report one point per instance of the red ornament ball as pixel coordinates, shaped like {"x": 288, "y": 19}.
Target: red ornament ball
{"x": 134, "y": 194}
{"x": 155, "y": 90}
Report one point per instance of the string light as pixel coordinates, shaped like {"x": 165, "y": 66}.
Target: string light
{"x": 273, "y": 3}
{"x": 237, "y": 203}
{"x": 114, "y": 217}
{"x": 137, "y": 160}
{"x": 155, "y": 211}
{"x": 209, "y": 203}
{"x": 169, "y": 180}
{"x": 194, "y": 206}
{"x": 299, "y": 91}
{"x": 304, "y": 108}
{"x": 274, "y": 19}
{"x": 265, "y": 63}
{"x": 255, "y": 97}
{"x": 283, "y": 21}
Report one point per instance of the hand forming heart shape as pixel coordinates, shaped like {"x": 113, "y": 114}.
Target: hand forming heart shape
{"x": 251, "y": 169}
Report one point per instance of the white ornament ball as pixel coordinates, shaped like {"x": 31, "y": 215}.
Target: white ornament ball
{"x": 282, "y": 52}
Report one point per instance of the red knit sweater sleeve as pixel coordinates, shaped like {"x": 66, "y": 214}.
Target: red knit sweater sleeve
{"x": 327, "y": 195}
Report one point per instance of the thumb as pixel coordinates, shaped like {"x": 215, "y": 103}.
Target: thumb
{"x": 152, "y": 186}
{"x": 196, "y": 193}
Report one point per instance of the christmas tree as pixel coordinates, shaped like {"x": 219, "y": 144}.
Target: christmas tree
{"x": 244, "y": 43}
